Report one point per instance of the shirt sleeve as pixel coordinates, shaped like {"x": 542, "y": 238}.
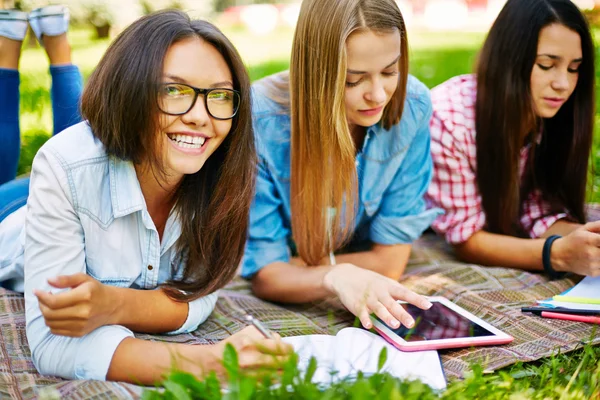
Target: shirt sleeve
{"x": 454, "y": 186}
{"x": 403, "y": 215}
{"x": 54, "y": 245}
{"x": 198, "y": 311}
{"x": 267, "y": 241}
{"x": 537, "y": 215}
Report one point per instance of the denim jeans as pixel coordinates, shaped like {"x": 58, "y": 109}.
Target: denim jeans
{"x": 65, "y": 94}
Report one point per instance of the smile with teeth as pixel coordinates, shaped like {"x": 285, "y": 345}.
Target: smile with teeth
{"x": 187, "y": 141}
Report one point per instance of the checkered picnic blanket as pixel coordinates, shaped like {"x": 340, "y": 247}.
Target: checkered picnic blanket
{"x": 493, "y": 294}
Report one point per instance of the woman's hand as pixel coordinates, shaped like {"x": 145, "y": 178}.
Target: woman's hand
{"x": 579, "y": 251}
{"x": 364, "y": 292}
{"x": 255, "y": 353}
{"x": 88, "y": 305}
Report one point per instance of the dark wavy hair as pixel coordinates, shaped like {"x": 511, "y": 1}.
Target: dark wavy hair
{"x": 120, "y": 105}
{"x": 504, "y": 115}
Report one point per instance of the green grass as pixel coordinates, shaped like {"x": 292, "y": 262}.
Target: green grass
{"x": 558, "y": 377}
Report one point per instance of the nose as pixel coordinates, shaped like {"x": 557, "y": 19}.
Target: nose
{"x": 561, "y": 81}
{"x": 198, "y": 114}
{"x": 376, "y": 93}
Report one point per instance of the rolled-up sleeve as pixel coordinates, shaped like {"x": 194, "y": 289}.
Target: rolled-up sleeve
{"x": 198, "y": 311}
{"x": 267, "y": 240}
{"x": 54, "y": 245}
{"x": 538, "y": 216}
{"x": 403, "y": 215}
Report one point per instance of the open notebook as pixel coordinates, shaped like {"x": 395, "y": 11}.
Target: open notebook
{"x": 583, "y": 296}
{"x": 354, "y": 349}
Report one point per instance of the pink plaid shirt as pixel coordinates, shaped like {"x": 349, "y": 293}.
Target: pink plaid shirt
{"x": 454, "y": 186}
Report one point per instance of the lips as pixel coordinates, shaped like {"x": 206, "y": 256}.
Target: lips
{"x": 554, "y": 102}
{"x": 371, "y": 112}
{"x": 188, "y": 143}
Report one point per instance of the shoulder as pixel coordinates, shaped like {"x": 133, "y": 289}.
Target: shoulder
{"x": 454, "y": 107}
{"x": 75, "y": 146}
{"x": 418, "y": 100}
{"x": 457, "y": 94}
{"x": 271, "y": 121}
{"x": 78, "y": 161}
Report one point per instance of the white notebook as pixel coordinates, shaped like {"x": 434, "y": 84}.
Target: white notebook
{"x": 354, "y": 349}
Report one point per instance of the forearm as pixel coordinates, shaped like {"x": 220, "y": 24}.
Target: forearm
{"x": 148, "y": 311}
{"x": 500, "y": 250}
{"x": 287, "y": 283}
{"x": 146, "y": 362}
{"x": 380, "y": 260}
{"x": 561, "y": 227}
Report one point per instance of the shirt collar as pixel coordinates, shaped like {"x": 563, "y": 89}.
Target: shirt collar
{"x": 125, "y": 192}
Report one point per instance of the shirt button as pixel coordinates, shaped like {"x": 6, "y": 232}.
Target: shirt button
{"x": 150, "y": 267}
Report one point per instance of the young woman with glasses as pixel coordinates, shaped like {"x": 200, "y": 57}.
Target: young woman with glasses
{"x": 343, "y": 143}
{"x": 137, "y": 216}
{"x": 511, "y": 145}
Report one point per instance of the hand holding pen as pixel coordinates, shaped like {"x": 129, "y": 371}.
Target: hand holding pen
{"x": 258, "y": 325}
{"x": 257, "y": 347}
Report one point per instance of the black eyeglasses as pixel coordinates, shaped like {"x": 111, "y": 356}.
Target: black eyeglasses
{"x": 179, "y": 99}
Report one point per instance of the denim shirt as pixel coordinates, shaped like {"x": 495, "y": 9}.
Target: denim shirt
{"x": 86, "y": 213}
{"x": 394, "y": 169}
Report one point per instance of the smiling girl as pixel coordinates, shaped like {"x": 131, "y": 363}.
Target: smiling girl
{"x": 511, "y": 145}
{"x": 344, "y": 163}
{"x": 138, "y": 215}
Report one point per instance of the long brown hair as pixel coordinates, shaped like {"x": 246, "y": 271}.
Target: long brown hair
{"x": 120, "y": 105}
{"x": 505, "y": 115}
{"x": 323, "y": 174}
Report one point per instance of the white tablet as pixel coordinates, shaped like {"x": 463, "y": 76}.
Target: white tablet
{"x": 445, "y": 325}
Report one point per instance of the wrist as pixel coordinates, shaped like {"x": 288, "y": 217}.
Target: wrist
{"x": 329, "y": 278}
{"x": 556, "y": 258}
{"x": 118, "y": 303}
{"x": 211, "y": 358}
{"x": 551, "y": 259}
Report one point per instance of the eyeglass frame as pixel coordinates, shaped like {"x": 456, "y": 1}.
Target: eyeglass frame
{"x": 204, "y": 92}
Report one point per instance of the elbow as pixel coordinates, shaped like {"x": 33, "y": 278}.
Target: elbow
{"x": 261, "y": 285}
{"x": 466, "y": 252}
{"x": 48, "y": 361}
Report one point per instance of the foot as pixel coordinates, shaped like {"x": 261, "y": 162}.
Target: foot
{"x": 49, "y": 21}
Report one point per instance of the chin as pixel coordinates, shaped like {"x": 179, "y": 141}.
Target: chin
{"x": 367, "y": 121}
{"x": 548, "y": 113}
{"x": 186, "y": 168}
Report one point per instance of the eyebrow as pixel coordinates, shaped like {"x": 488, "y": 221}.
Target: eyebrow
{"x": 353, "y": 71}
{"x": 214, "y": 85}
{"x": 555, "y": 57}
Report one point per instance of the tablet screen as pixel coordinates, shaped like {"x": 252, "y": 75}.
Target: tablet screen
{"x": 439, "y": 322}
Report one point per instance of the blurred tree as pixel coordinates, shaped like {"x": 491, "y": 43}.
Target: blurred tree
{"x": 150, "y": 6}
{"x": 221, "y": 5}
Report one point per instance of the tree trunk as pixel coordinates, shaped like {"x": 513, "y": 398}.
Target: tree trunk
{"x": 102, "y": 31}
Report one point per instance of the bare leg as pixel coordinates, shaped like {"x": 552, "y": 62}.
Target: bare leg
{"x": 58, "y": 49}
{"x": 10, "y": 53}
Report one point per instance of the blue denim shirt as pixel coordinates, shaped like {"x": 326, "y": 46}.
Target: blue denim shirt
{"x": 394, "y": 170}
{"x": 86, "y": 213}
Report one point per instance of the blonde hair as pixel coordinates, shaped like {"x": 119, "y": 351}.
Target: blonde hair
{"x": 323, "y": 173}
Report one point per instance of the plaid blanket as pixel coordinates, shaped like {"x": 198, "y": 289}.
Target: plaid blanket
{"x": 493, "y": 294}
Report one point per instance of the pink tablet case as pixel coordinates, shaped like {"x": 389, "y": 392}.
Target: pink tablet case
{"x": 466, "y": 342}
